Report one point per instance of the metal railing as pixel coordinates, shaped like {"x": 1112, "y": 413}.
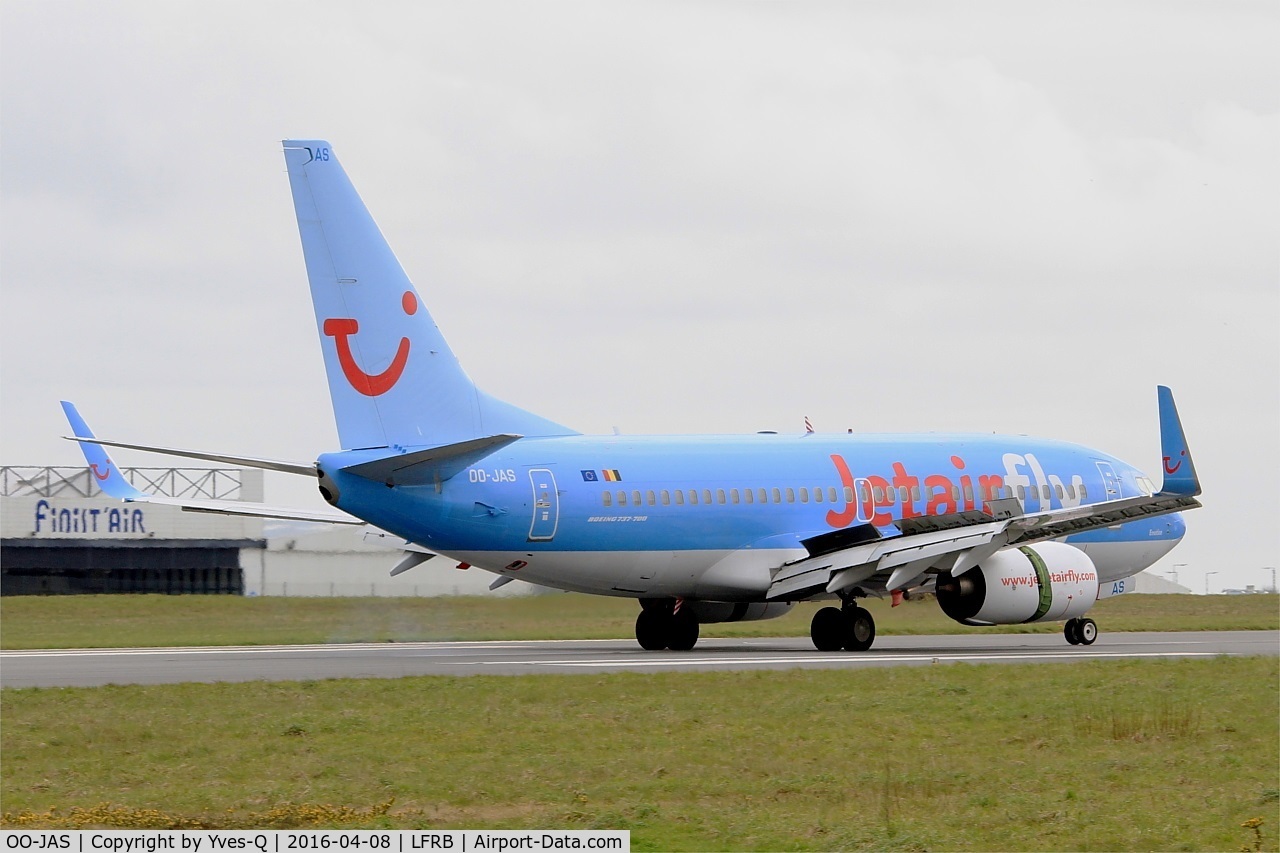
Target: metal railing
{"x": 49, "y": 481}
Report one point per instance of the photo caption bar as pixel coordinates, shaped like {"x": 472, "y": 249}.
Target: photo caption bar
{"x": 290, "y": 840}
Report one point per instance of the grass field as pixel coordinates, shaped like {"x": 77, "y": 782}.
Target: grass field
{"x": 1132, "y": 755}
{"x": 158, "y": 620}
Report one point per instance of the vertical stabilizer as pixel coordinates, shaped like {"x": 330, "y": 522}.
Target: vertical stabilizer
{"x": 392, "y": 377}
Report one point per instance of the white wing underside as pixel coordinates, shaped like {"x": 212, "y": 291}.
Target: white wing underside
{"x": 948, "y": 544}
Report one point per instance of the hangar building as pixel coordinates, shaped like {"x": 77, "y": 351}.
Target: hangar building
{"x": 60, "y": 535}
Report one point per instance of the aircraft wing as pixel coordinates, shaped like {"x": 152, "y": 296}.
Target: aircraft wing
{"x": 897, "y": 556}
{"x": 114, "y": 484}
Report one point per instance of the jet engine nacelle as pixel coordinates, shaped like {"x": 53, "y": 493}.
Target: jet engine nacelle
{"x": 1036, "y": 583}
{"x": 728, "y": 611}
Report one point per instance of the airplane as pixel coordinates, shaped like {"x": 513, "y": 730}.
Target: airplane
{"x": 1002, "y": 529}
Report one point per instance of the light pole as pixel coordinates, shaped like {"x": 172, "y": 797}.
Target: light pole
{"x": 1177, "y": 566}
{"x": 1206, "y": 581}
{"x": 1271, "y": 569}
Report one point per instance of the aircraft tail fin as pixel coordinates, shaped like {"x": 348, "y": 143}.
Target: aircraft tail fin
{"x": 393, "y": 379}
{"x": 1179, "y": 470}
{"x": 106, "y": 472}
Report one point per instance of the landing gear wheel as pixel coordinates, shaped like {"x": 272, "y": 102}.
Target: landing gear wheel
{"x": 657, "y": 628}
{"x": 1071, "y": 631}
{"x": 682, "y": 632}
{"x": 827, "y": 630}
{"x": 860, "y": 629}
{"x": 651, "y": 631}
{"x": 1087, "y": 631}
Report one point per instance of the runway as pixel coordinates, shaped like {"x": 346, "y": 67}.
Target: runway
{"x": 93, "y": 667}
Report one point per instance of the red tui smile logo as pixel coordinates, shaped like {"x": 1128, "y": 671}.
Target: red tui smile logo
{"x": 1173, "y": 469}
{"x": 376, "y": 384}
{"x": 101, "y": 475}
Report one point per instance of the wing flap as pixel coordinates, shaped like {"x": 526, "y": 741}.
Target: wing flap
{"x": 955, "y": 543}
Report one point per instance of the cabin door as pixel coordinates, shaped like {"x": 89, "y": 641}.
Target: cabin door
{"x": 546, "y": 505}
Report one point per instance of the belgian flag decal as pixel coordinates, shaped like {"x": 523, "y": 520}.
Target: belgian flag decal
{"x": 612, "y": 475}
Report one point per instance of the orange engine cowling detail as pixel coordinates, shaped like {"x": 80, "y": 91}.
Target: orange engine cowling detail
{"x": 1036, "y": 583}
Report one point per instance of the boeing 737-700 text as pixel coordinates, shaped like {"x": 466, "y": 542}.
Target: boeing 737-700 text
{"x": 1003, "y": 529}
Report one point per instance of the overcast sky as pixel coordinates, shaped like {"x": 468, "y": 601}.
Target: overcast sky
{"x": 1007, "y": 217}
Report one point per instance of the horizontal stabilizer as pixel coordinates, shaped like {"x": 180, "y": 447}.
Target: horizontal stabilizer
{"x": 306, "y": 469}
{"x": 433, "y": 465}
{"x": 254, "y": 510}
{"x": 113, "y": 483}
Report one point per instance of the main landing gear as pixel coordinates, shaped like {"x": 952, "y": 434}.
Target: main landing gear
{"x": 662, "y": 624}
{"x": 849, "y": 627}
{"x": 1080, "y": 632}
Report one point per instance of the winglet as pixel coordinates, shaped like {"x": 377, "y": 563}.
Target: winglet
{"x": 108, "y": 475}
{"x": 1179, "y": 471}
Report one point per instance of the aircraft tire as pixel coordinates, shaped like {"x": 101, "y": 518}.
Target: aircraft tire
{"x": 682, "y": 632}
{"x": 651, "y": 630}
{"x": 1087, "y": 631}
{"x": 860, "y": 629}
{"x": 827, "y": 630}
{"x": 1071, "y": 631}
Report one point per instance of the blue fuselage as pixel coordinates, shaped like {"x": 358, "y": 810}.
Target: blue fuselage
{"x": 541, "y": 505}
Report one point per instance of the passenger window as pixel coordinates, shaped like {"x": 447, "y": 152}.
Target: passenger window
{"x": 693, "y": 497}
{"x": 1084, "y": 491}
{"x": 666, "y": 498}
{"x": 791, "y": 495}
{"x": 864, "y": 494}
{"x": 879, "y": 495}
{"x": 679, "y": 498}
{"x": 968, "y": 494}
{"x": 804, "y": 495}
{"x": 1071, "y": 490}
{"x": 1058, "y": 488}
{"x": 608, "y": 498}
{"x": 719, "y": 496}
{"x": 622, "y": 498}
{"x": 649, "y": 498}
{"x": 1048, "y": 494}
{"x": 1022, "y": 493}
{"x": 848, "y": 494}
{"x": 635, "y": 497}
{"x": 749, "y": 495}
{"x": 764, "y": 496}
{"x": 777, "y": 496}
{"x": 903, "y": 495}
{"x": 817, "y": 495}
{"x": 706, "y": 496}
{"x": 915, "y": 493}
{"x": 733, "y": 496}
